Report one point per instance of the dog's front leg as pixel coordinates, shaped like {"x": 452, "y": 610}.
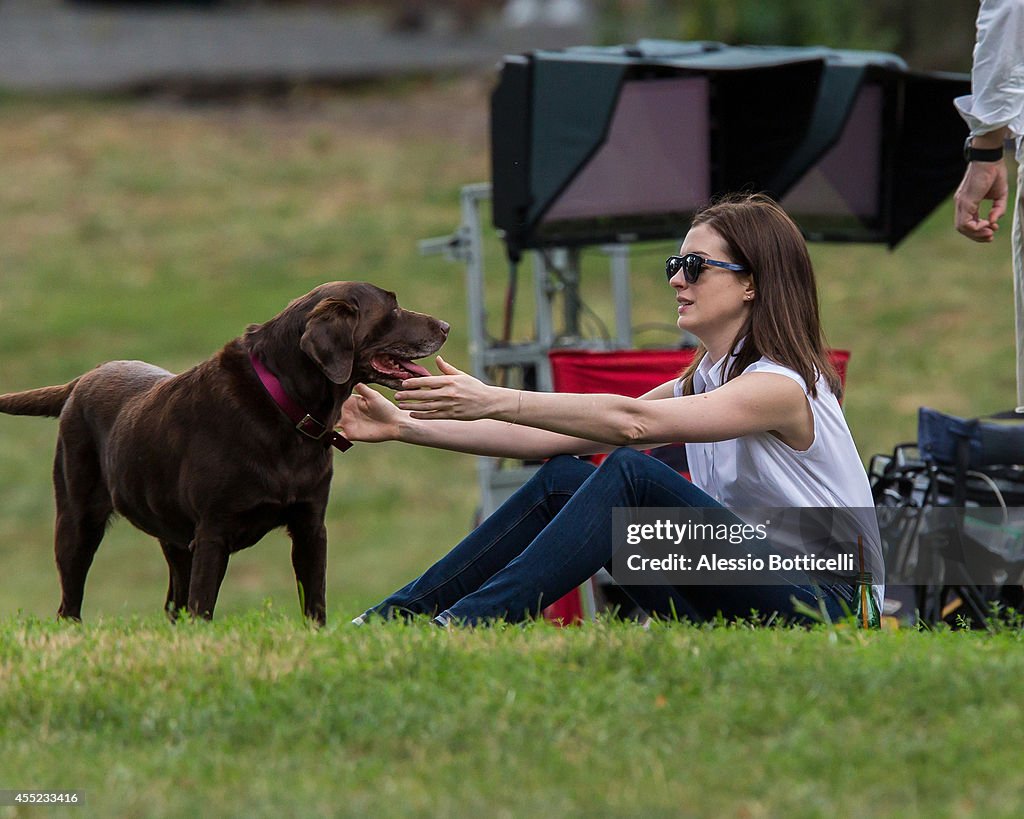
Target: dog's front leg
{"x": 309, "y": 559}
{"x": 179, "y": 562}
{"x": 209, "y": 563}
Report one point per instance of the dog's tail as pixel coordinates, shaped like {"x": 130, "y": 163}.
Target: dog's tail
{"x": 46, "y": 401}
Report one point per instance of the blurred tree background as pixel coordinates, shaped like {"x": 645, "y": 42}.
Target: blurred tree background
{"x": 928, "y": 34}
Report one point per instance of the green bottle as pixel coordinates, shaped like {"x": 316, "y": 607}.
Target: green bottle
{"x": 866, "y": 611}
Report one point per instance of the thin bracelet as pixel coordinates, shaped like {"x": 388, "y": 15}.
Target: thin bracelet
{"x": 519, "y": 409}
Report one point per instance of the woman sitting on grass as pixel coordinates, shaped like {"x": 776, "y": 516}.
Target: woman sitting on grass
{"x": 758, "y": 410}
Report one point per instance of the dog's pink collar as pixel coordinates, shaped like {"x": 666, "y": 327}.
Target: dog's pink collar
{"x": 304, "y": 422}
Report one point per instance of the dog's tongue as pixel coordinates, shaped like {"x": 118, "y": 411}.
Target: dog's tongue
{"x": 415, "y": 368}
{"x": 398, "y": 367}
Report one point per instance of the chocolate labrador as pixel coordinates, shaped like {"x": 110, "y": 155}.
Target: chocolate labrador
{"x": 211, "y": 460}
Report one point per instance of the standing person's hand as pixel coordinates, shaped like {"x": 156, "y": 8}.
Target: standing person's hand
{"x": 983, "y": 181}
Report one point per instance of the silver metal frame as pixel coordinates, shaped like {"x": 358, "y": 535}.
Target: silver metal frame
{"x": 555, "y": 272}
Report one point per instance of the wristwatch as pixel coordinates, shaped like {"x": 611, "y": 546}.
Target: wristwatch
{"x": 981, "y": 154}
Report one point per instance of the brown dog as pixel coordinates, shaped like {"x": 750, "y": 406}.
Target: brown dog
{"x": 211, "y": 460}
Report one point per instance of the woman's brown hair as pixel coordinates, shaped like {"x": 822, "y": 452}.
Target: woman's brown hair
{"x": 784, "y": 325}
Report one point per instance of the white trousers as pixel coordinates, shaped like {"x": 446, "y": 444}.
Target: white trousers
{"x": 1018, "y": 272}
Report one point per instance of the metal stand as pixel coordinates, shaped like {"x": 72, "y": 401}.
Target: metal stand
{"x": 555, "y": 274}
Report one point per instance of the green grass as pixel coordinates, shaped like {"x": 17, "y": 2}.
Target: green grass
{"x": 144, "y": 230}
{"x": 259, "y": 715}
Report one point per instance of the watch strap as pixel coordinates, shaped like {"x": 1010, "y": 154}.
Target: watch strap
{"x": 972, "y": 154}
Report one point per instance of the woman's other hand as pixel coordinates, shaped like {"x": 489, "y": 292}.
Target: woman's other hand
{"x": 369, "y": 417}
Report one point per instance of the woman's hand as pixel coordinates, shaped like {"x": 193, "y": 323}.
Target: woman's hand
{"x": 452, "y": 395}
{"x": 368, "y": 416}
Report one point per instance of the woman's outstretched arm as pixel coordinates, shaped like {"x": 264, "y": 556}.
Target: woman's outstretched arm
{"x": 750, "y": 403}
{"x": 370, "y": 417}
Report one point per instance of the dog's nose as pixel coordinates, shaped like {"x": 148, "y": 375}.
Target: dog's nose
{"x": 445, "y": 327}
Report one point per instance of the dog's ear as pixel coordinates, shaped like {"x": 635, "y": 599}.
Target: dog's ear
{"x": 329, "y": 338}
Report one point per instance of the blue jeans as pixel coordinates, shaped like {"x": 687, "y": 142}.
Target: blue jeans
{"x": 556, "y": 531}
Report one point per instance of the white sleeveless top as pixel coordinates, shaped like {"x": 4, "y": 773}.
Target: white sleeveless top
{"x": 760, "y": 471}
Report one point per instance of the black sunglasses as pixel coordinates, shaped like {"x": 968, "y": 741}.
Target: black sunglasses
{"x": 691, "y": 265}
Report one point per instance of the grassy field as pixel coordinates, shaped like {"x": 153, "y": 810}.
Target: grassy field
{"x": 156, "y": 231}
{"x": 257, "y": 715}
